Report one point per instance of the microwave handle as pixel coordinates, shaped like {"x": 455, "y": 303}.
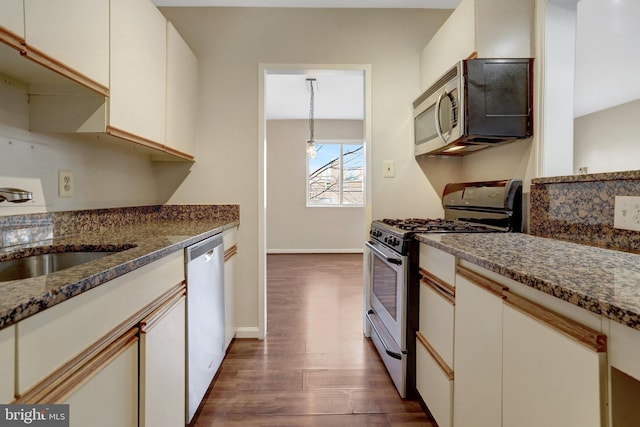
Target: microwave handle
{"x": 443, "y": 137}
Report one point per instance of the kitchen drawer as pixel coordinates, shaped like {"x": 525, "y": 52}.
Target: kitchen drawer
{"x": 439, "y": 263}
{"x": 437, "y": 318}
{"x": 7, "y": 364}
{"x": 434, "y": 384}
{"x": 550, "y": 302}
{"x": 48, "y": 339}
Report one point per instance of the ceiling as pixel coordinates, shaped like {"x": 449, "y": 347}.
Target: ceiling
{"x": 395, "y": 4}
{"x": 599, "y": 50}
{"x": 338, "y": 94}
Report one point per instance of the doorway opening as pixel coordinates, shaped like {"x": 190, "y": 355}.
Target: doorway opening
{"x": 298, "y": 103}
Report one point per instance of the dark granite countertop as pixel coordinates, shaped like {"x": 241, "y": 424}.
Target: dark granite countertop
{"x": 605, "y": 282}
{"x": 20, "y": 299}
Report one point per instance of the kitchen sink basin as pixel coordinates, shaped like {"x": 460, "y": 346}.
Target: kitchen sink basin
{"x": 39, "y": 265}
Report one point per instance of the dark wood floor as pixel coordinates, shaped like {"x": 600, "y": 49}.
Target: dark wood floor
{"x": 315, "y": 368}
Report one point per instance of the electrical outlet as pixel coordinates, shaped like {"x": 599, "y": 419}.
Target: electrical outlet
{"x": 389, "y": 169}
{"x": 583, "y": 170}
{"x": 66, "y": 183}
{"x": 627, "y": 213}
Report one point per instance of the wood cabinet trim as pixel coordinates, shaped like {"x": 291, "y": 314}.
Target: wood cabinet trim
{"x": 161, "y": 312}
{"x": 443, "y": 292}
{"x": 156, "y": 146}
{"x": 123, "y": 134}
{"x": 179, "y": 154}
{"x": 11, "y": 39}
{"x": 584, "y": 335}
{"x": 64, "y": 386}
{"x": 68, "y": 369}
{"x": 446, "y": 370}
{"x": 438, "y": 281}
{"x": 233, "y": 250}
{"x": 488, "y": 285}
{"x": 64, "y": 70}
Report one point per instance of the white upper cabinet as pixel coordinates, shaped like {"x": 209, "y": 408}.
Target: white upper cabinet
{"x": 182, "y": 92}
{"x": 488, "y": 28}
{"x": 71, "y": 37}
{"x": 138, "y": 71}
{"x": 11, "y": 20}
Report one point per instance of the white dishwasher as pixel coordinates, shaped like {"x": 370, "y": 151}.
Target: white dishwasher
{"x": 204, "y": 264}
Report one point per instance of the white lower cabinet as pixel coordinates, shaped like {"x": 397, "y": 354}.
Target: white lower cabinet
{"x": 162, "y": 366}
{"x": 434, "y": 339}
{"x": 549, "y": 377}
{"x": 478, "y": 343}
{"x": 115, "y": 354}
{"x": 108, "y": 395}
{"x": 434, "y": 382}
{"x": 7, "y": 364}
{"x": 521, "y": 358}
{"x": 230, "y": 238}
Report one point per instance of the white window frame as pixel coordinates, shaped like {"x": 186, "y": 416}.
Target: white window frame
{"x": 342, "y": 143}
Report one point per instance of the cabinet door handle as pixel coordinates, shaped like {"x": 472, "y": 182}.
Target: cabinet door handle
{"x": 64, "y": 383}
{"x": 586, "y": 336}
{"x": 147, "y": 324}
{"x": 443, "y": 289}
{"x": 487, "y": 284}
{"x": 446, "y": 370}
{"x": 233, "y": 250}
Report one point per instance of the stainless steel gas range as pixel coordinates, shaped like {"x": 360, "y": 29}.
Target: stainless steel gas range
{"x": 391, "y": 292}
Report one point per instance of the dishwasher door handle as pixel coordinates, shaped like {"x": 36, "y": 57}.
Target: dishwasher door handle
{"x": 205, "y": 247}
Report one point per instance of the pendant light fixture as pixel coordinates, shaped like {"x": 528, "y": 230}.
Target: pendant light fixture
{"x": 311, "y": 145}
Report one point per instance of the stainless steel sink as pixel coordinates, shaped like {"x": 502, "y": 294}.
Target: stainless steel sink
{"x": 39, "y": 265}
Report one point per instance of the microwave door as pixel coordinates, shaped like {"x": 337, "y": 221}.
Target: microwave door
{"x": 445, "y": 115}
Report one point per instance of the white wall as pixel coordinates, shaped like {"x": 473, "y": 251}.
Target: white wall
{"x": 291, "y": 225}
{"x": 105, "y": 176}
{"x": 231, "y": 43}
{"x": 607, "y": 140}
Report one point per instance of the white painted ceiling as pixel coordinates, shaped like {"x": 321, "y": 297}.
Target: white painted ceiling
{"x": 337, "y": 95}
{"x": 607, "y": 58}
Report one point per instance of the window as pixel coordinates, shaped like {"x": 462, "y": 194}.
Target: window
{"x": 335, "y": 177}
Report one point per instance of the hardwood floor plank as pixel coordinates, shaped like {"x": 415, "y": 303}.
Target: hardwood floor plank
{"x": 315, "y": 368}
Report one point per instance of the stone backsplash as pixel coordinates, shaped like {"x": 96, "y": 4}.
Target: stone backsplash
{"x": 25, "y": 229}
{"x": 580, "y": 208}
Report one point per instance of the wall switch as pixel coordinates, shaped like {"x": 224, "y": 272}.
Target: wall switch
{"x": 65, "y": 183}
{"x": 389, "y": 169}
{"x": 627, "y": 213}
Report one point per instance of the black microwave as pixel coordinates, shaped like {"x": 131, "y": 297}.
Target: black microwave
{"x": 477, "y": 104}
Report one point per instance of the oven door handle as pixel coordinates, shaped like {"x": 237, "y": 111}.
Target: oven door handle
{"x": 382, "y": 255}
{"x": 387, "y": 350}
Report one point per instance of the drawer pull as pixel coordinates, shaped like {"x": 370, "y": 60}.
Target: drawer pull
{"x": 586, "y": 336}
{"x": 446, "y": 370}
{"x": 442, "y": 288}
{"x": 233, "y": 250}
{"x": 488, "y": 285}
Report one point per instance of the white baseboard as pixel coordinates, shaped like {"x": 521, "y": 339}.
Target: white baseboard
{"x": 315, "y": 251}
{"x": 247, "y": 332}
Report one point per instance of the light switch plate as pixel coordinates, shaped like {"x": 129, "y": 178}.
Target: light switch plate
{"x": 389, "y": 169}
{"x": 66, "y": 183}
{"x": 626, "y": 214}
